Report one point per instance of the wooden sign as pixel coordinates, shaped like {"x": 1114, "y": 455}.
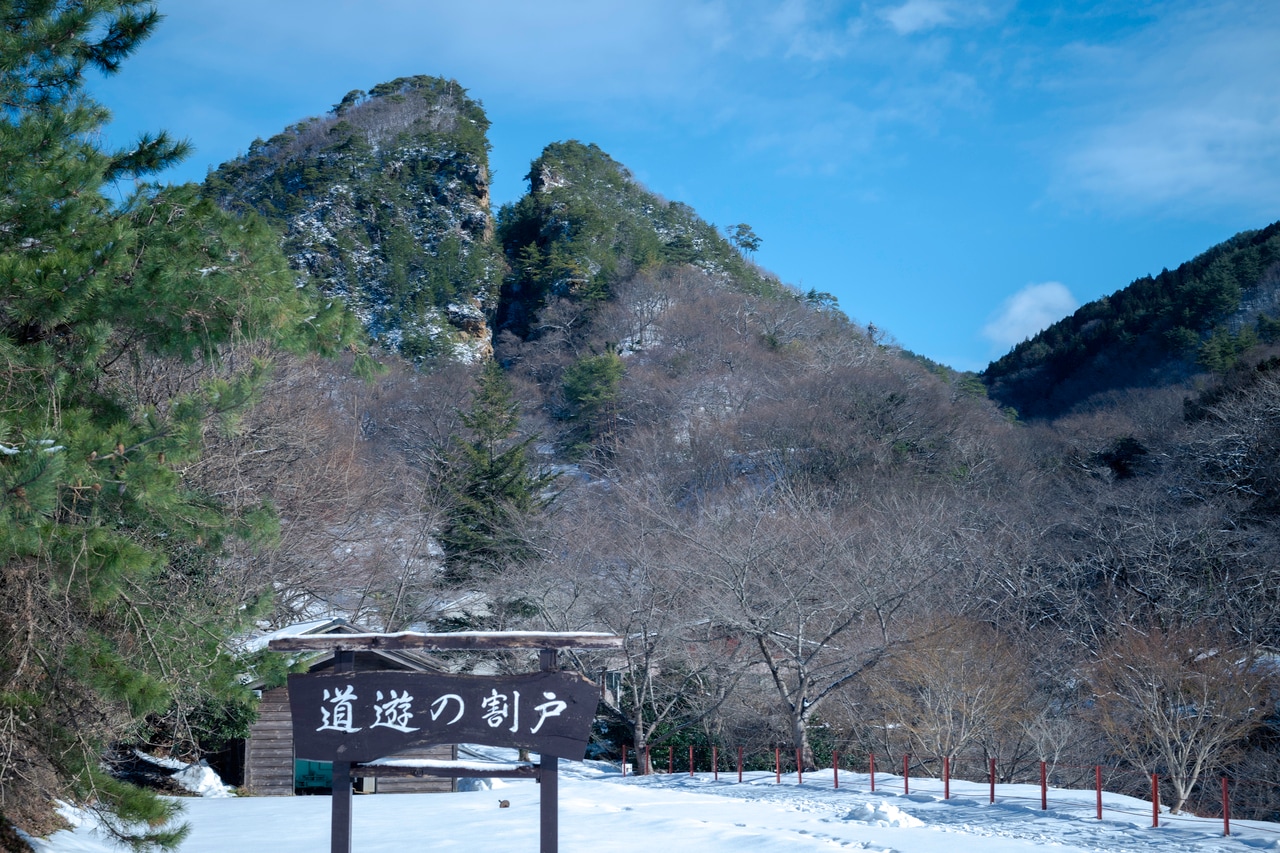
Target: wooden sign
{"x": 361, "y": 716}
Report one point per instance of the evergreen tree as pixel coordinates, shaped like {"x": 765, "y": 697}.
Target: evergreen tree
{"x": 745, "y": 238}
{"x": 495, "y": 491}
{"x": 111, "y": 616}
{"x": 591, "y": 390}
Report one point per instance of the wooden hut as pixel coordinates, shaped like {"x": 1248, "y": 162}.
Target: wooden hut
{"x": 270, "y": 768}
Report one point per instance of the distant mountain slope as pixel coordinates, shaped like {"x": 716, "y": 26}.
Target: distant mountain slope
{"x": 386, "y": 201}
{"x": 586, "y": 223}
{"x": 1155, "y": 331}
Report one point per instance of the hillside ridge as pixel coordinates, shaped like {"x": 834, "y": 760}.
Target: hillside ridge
{"x": 1154, "y": 332}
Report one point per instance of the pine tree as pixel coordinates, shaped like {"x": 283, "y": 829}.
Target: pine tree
{"x": 745, "y": 238}
{"x": 494, "y": 489}
{"x": 111, "y": 615}
{"x": 591, "y": 390}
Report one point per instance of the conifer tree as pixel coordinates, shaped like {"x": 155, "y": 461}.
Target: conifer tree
{"x": 110, "y": 611}
{"x": 494, "y": 489}
{"x": 591, "y": 389}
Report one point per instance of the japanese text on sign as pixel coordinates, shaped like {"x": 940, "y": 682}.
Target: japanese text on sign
{"x": 360, "y": 716}
{"x": 338, "y": 711}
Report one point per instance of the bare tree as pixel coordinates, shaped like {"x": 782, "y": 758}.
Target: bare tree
{"x": 350, "y": 468}
{"x": 815, "y": 594}
{"x": 959, "y": 685}
{"x": 1177, "y": 702}
{"x": 620, "y": 570}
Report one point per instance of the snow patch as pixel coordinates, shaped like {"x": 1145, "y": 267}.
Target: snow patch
{"x": 602, "y": 810}
{"x": 161, "y": 761}
{"x": 201, "y": 780}
{"x": 883, "y": 814}
{"x": 472, "y": 785}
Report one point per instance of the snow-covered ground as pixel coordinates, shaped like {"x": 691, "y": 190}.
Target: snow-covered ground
{"x": 602, "y": 811}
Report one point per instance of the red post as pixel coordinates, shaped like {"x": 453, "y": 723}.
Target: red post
{"x": 690, "y": 759}
{"x": 777, "y": 765}
{"x": 1044, "y": 787}
{"x": 835, "y": 767}
{"x": 715, "y": 763}
{"x": 1097, "y": 785}
{"x": 671, "y": 760}
{"x": 873, "y": 771}
{"x": 739, "y": 764}
{"x": 991, "y": 774}
{"x": 946, "y": 777}
{"x": 648, "y": 765}
{"x": 1155, "y": 801}
{"x": 624, "y": 759}
{"x": 906, "y": 774}
{"x": 799, "y": 768}
{"x": 1226, "y": 808}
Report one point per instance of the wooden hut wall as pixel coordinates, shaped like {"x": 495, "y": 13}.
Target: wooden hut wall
{"x": 268, "y": 760}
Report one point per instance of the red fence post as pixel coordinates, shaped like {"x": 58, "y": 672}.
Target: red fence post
{"x": 873, "y": 772}
{"x": 1155, "y": 801}
{"x": 1097, "y": 784}
{"x": 991, "y": 775}
{"x": 715, "y": 763}
{"x": 906, "y": 774}
{"x": 835, "y": 767}
{"x": 624, "y": 759}
{"x": 1044, "y": 787}
{"x": 739, "y": 764}
{"x": 648, "y": 765}
{"x": 690, "y": 759}
{"x": 799, "y": 767}
{"x": 946, "y": 777}
{"x": 1226, "y": 808}
{"x": 777, "y": 765}
{"x": 671, "y": 760}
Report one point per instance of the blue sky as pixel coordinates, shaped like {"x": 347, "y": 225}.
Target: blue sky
{"x": 957, "y": 172}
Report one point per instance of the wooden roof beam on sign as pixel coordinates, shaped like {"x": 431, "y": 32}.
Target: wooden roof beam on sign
{"x": 448, "y": 642}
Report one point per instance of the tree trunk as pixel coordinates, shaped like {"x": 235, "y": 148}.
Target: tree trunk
{"x": 642, "y": 765}
{"x": 1181, "y": 791}
{"x": 800, "y": 737}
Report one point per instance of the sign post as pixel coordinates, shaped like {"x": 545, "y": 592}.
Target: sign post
{"x": 549, "y": 796}
{"x": 357, "y": 719}
{"x": 340, "y": 788}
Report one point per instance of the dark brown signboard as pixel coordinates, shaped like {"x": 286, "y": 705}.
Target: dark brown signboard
{"x": 355, "y": 717}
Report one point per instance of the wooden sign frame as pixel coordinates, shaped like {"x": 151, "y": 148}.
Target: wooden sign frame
{"x": 354, "y": 719}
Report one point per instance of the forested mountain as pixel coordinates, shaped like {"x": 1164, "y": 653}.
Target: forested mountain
{"x": 586, "y": 223}
{"x": 1154, "y": 332}
{"x": 804, "y": 535}
{"x": 385, "y": 201}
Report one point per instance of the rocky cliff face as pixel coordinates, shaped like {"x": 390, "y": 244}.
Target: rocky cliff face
{"x": 385, "y": 201}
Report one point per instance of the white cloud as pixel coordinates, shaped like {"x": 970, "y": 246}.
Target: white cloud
{"x": 808, "y": 32}
{"x": 1202, "y": 156}
{"x": 816, "y": 32}
{"x": 1031, "y": 309}
{"x": 918, "y": 15}
{"x": 553, "y": 50}
{"x": 1185, "y": 115}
